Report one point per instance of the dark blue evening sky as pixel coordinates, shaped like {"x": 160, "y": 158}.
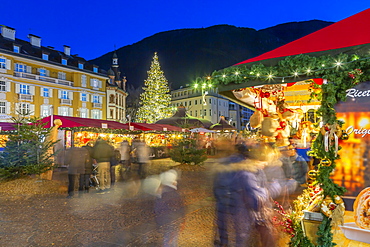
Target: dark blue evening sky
{"x": 92, "y": 28}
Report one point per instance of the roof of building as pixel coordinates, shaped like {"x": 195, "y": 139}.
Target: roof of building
{"x": 54, "y": 56}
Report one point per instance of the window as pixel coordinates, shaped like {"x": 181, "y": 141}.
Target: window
{"x": 196, "y": 113}
{"x": 210, "y": 112}
{"x": 83, "y": 113}
{"x": 64, "y": 95}
{"x": 46, "y": 92}
{"x": 43, "y": 72}
{"x": 64, "y": 61}
{"x": 63, "y": 110}
{"x": 24, "y": 89}
{"x": 191, "y": 113}
{"x": 189, "y": 102}
{"x": 45, "y": 110}
{"x": 185, "y": 103}
{"x": 80, "y": 65}
{"x": 196, "y": 102}
{"x": 2, "y": 107}
{"x": 2, "y": 63}
{"x": 83, "y": 97}
{"x": 20, "y": 67}
{"x": 111, "y": 98}
{"x": 45, "y": 56}
{"x": 96, "y": 114}
{"x": 61, "y": 75}
{"x": 16, "y": 49}
{"x": 95, "y": 69}
{"x": 24, "y": 108}
{"x": 96, "y": 99}
{"x": 205, "y": 112}
{"x": 83, "y": 80}
{"x": 2, "y": 86}
{"x": 210, "y": 100}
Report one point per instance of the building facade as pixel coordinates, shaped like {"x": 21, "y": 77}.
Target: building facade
{"x": 116, "y": 93}
{"x": 205, "y": 102}
{"x": 42, "y": 81}
{"x": 201, "y": 102}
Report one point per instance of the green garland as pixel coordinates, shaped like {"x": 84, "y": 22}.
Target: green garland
{"x": 342, "y": 73}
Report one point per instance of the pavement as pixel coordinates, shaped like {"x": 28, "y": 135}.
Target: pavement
{"x": 122, "y": 217}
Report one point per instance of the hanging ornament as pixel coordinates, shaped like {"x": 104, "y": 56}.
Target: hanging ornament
{"x": 344, "y": 136}
{"x": 325, "y": 162}
{"x": 311, "y": 153}
{"x": 312, "y": 174}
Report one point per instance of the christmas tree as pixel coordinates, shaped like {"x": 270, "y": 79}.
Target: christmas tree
{"x": 155, "y": 101}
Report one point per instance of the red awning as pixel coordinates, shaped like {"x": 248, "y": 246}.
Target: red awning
{"x": 348, "y": 32}
{"x": 69, "y": 122}
{"x": 153, "y": 127}
{"x": 5, "y": 126}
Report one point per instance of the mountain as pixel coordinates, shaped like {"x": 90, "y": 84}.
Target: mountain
{"x": 186, "y": 54}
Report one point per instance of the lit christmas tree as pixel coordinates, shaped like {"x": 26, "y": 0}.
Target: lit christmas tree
{"x": 155, "y": 101}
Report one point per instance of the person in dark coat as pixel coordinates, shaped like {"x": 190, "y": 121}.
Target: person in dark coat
{"x": 75, "y": 158}
{"x": 114, "y": 161}
{"x": 85, "y": 177}
{"x": 102, "y": 153}
{"x": 238, "y": 196}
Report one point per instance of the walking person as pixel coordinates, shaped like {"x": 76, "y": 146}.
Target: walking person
{"x": 102, "y": 153}
{"x": 142, "y": 154}
{"x": 125, "y": 160}
{"x": 114, "y": 161}
{"x": 75, "y": 158}
{"x": 85, "y": 177}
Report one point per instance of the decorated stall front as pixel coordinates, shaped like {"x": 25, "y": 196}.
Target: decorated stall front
{"x": 78, "y": 132}
{"x": 295, "y": 91}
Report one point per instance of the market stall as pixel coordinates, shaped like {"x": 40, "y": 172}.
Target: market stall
{"x": 294, "y": 90}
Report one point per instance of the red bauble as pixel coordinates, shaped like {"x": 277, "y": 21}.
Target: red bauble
{"x": 282, "y": 124}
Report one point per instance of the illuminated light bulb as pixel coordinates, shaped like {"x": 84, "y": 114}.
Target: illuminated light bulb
{"x": 283, "y": 80}
{"x": 270, "y": 76}
{"x": 208, "y": 78}
{"x": 309, "y": 70}
{"x": 236, "y": 73}
{"x": 258, "y": 74}
{"x": 295, "y": 73}
{"x": 322, "y": 65}
{"x": 223, "y": 76}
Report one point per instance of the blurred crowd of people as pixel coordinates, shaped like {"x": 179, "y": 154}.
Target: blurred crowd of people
{"x": 247, "y": 178}
{"x": 110, "y": 164}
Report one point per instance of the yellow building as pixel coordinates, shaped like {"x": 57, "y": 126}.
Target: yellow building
{"x": 43, "y": 81}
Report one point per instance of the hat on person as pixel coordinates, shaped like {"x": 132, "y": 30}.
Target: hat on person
{"x": 169, "y": 178}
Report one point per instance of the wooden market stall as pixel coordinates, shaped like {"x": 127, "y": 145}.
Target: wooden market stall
{"x": 294, "y": 90}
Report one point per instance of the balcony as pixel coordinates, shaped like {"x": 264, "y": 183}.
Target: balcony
{"x": 27, "y": 97}
{"x": 42, "y": 78}
{"x": 65, "y": 102}
{"x": 97, "y": 105}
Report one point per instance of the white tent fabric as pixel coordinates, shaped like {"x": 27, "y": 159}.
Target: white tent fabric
{"x": 197, "y": 130}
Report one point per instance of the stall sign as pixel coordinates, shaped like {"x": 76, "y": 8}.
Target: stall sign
{"x": 352, "y": 169}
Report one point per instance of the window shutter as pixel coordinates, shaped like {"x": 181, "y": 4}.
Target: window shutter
{"x": 59, "y": 94}
{"x": 29, "y": 69}
{"x": 17, "y": 88}
{"x": 16, "y": 108}
{"x": 7, "y": 107}
{"x": 38, "y": 71}
{"x": 8, "y": 64}
{"x": 59, "y": 110}
{"x": 91, "y": 82}
{"x": 47, "y": 72}
{"x": 99, "y": 83}
{"x": 70, "y": 95}
{"x": 8, "y": 86}
{"x": 32, "y": 90}
{"x": 50, "y": 92}
{"x": 32, "y": 109}
{"x": 70, "y": 112}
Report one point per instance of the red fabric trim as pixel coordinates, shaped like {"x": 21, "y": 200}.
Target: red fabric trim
{"x": 348, "y": 32}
